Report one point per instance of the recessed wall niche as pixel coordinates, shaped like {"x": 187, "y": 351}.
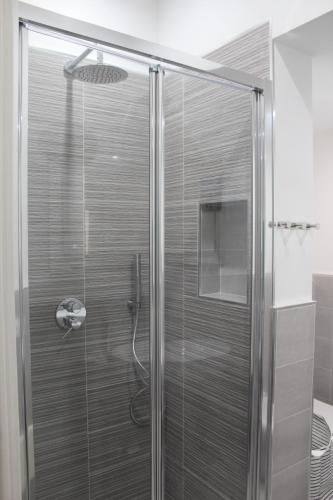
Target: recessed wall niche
{"x": 224, "y": 261}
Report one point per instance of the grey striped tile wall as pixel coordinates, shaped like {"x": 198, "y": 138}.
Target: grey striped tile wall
{"x": 174, "y": 287}
{"x": 88, "y": 193}
{"x": 116, "y": 122}
{"x": 250, "y": 52}
{"x": 208, "y": 158}
{"x": 56, "y": 270}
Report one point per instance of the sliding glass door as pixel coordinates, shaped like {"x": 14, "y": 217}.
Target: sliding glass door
{"x": 88, "y": 242}
{"x": 208, "y": 287}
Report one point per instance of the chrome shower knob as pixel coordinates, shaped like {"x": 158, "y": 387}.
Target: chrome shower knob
{"x": 70, "y": 314}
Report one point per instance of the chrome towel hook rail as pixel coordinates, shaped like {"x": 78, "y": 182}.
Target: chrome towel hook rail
{"x": 294, "y": 225}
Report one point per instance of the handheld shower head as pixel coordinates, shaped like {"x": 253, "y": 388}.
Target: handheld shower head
{"x": 136, "y": 302}
{"x": 138, "y": 279}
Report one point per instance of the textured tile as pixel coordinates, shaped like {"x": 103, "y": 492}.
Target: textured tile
{"x": 113, "y": 446}
{"x": 324, "y": 322}
{"x": 291, "y": 440}
{"x": 128, "y": 481}
{"x": 108, "y": 405}
{"x": 222, "y": 472}
{"x": 116, "y": 170}
{"x": 214, "y": 448}
{"x": 324, "y": 353}
{"x": 55, "y": 206}
{"x": 173, "y": 480}
{"x": 293, "y": 389}
{"x": 322, "y": 384}
{"x": 61, "y": 465}
{"x": 249, "y": 52}
{"x": 173, "y": 432}
{"x": 294, "y": 334}
{"x": 88, "y": 215}
{"x": 323, "y": 290}
{"x": 197, "y": 489}
{"x": 323, "y": 372}
{"x": 208, "y": 158}
{"x": 292, "y": 483}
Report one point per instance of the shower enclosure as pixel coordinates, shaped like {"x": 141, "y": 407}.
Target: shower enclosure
{"x": 145, "y": 278}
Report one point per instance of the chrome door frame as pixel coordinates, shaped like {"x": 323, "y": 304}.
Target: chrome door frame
{"x": 157, "y": 277}
{"x": 261, "y": 383}
{"x": 22, "y": 312}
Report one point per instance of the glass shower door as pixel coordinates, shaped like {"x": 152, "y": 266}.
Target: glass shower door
{"x": 208, "y": 288}
{"x": 142, "y": 275}
{"x": 87, "y": 175}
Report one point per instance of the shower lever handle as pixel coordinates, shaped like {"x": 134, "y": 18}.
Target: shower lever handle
{"x": 67, "y": 333}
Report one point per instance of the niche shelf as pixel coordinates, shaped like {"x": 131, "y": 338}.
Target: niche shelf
{"x": 224, "y": 262}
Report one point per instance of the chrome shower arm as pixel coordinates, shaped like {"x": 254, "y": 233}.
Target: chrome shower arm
{"x": 69, "y": 66}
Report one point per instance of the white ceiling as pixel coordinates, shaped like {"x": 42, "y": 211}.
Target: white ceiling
{"x": 316, "y": 38}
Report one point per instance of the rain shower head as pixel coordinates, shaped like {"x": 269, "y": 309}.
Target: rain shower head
{"x": 99, "y": 73}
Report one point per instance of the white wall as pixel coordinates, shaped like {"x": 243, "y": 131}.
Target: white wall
{"x": 323, "y": 154}
{"x": 293, "y": 174}
{"x": 323, "y": 176}
{"x": 193, "y": 26}
{"x": 199, "y": 26}
{"x": 133, "y": 17}
{"x": 296, "y": 263}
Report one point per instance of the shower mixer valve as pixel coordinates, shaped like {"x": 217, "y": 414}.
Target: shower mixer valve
{"x": 70, "y": 314}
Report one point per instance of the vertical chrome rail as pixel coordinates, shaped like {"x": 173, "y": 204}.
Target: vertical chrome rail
{"x": 256, "y": 292}
{"x": 268, "y": 343}
{"x": 22, "y": 300}
{"x": 262, "y": 346}
{"x": 157, "y": 280}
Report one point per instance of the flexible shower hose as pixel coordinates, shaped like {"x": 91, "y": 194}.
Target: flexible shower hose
{"x": 141, "y": 371}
